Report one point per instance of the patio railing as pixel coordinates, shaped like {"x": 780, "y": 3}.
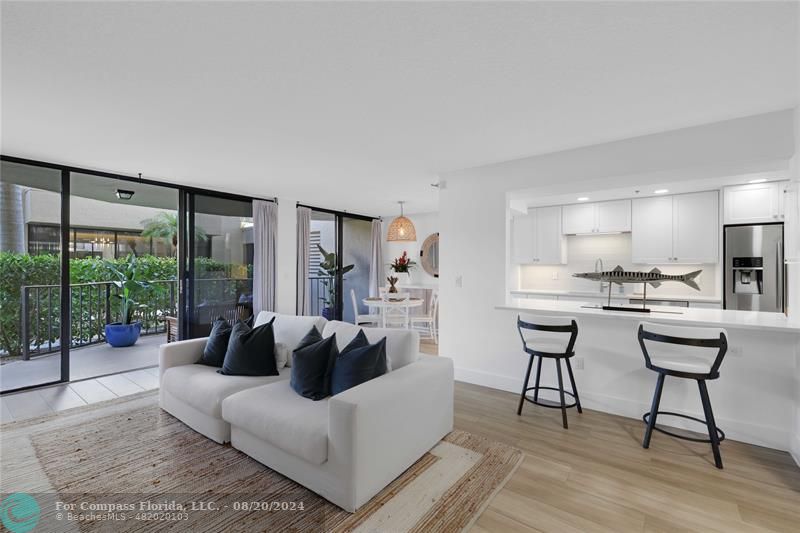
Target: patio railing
{"x": 318, "y": 287}
{"x": 93, "y": 305}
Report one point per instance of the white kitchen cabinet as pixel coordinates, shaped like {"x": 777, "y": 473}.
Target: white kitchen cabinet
{"x": 754, "y": 203}
{"x": 677, "y": 229}
{"x": 602, "y": 217}
{"x": 614, "y": 216}
{"x": 537, "y": 238}
{"x": 579, "y": 218}
{"x": 651, "y": 230}
{"x": 695, "y": 223}
{"x": 523, "y": 238}
{"x": 550, "y": 246}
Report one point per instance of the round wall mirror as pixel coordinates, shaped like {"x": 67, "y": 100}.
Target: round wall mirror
{"x": 429, "y": 255}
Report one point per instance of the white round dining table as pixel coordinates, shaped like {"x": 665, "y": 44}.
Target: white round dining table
{"x": 383, "y": 305}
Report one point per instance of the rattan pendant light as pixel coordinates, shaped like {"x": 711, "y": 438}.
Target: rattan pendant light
{"x": 401, "y": 229}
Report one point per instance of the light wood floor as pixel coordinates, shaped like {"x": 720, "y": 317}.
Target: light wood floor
{"x": 595, "y": 476}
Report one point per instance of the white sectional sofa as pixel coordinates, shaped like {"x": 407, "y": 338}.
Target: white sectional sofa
{"x": 346, "y": 447}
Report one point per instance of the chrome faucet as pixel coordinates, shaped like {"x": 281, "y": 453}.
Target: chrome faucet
{"x": 598, "y": 267}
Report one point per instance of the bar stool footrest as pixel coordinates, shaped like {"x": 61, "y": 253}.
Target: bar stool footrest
{"x": 646, "y": 418}
{"x": 550, "y": 403}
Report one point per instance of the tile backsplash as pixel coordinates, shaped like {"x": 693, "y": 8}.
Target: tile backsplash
{"x": 584, "y": 250}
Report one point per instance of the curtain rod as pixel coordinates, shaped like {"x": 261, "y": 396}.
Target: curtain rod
{"x": 340, "y": 213}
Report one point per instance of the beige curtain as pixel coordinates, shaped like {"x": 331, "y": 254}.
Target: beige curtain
{"x": 265, "y": 230}
{"x": 303, "y": 243}
{"x": 376, "y": 258}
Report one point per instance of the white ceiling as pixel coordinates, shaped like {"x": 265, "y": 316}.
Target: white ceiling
{"x": 356, "y": 105}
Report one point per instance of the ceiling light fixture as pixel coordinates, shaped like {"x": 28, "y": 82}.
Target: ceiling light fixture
{"x": 401, "y": 229}
{"x": 583, "y": 199}
{"x": 758, "y": 180}
{"x": 661, "y": 191}
{"x": 123, "y": 194}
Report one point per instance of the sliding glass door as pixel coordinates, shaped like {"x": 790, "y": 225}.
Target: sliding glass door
{"x": 123, "y": 270}
{"x": 356, "y": 250}
{"x": 338, "y": 267}
{"x": 82, "y": 252}
{"x": 31, "y": 348}
{"x": 220, "y": 261}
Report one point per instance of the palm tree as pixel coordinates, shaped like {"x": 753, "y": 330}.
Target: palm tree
{"x": 165, "y": 226}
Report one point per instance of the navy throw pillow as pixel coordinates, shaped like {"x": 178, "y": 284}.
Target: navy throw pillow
{"x": 251, "y": 351}
{"x": 358, "y": 363}
{"x": 312, "y": 364}
{"x": 217, "y": 345}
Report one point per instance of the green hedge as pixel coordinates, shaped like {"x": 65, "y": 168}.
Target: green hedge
{"x": 89, "y": 304}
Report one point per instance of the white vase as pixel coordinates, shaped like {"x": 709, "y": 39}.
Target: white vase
{"x": 403, "y": 278}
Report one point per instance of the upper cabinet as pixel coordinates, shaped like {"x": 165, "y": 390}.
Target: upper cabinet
{"x": 602, "y": 217}
{"x": 536, "y": 237}
{"x": 614, "y": 217}
{"x": 683, "y": 228}
{"x": 754, "y": 203}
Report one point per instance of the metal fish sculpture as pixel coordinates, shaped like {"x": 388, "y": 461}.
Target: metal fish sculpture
{"x": 654, "y": 277}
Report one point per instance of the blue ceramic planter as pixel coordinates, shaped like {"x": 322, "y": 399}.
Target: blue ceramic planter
{"x": 120, "y": 335}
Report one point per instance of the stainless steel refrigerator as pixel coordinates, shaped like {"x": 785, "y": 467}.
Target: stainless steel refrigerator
{"x": 754, "y": 269}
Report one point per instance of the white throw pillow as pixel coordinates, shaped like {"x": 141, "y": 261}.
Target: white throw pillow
{"x": 282, "y": 354}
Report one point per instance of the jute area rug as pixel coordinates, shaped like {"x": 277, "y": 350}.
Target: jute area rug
{"x": 126, "y": 465}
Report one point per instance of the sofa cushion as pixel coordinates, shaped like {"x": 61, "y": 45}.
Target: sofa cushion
{"x": 204, "y": 389}
{"x": 282, "y": 355}
{"x": 251, "y": 351}
{"x": 358, "y": 363}
{"x": 289, "y": 329}
{"x": 402, "y": 345}
{"x": 278, "y": 415}
{"x": 312, "y": 364}
{"x": 217, "y": 345}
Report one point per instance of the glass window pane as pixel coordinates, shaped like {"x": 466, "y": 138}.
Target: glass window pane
{"x": 30, "y": 261}
{"x": 223, "y": 262}
{"x": 321, "y": 272}
{"x": 112, "y": 219}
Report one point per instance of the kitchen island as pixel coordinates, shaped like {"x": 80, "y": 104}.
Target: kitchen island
{"x": 755, "y": 399}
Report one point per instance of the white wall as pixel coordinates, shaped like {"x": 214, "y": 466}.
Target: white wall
{"x": 472, "y": 217}
{"x": 425, "y": 224}
{"x": 793, "y": 269}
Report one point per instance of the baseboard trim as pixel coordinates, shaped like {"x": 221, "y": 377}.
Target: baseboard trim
{"x": 794, "y": 450}
{"x": 759, "y": 435}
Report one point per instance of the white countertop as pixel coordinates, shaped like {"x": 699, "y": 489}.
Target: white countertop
{"x": 683, "y": 316}
{"x": 617, "y": 296}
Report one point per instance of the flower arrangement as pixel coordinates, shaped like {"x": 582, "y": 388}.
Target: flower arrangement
{"x": 402, "y": 264}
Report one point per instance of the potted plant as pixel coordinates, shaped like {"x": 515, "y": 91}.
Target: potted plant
{"x": 402, "y": 266}
{"x": 329, "y": 270}
{"x": 126, "y": 332}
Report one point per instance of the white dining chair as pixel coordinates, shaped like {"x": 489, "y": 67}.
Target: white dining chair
{"x": 395, "y": 310}
{"x": 363, "y": 320}
{"x": 426, "y": 324}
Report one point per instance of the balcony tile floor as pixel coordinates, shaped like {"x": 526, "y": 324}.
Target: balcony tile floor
{"x": 87, "y": 362}
{"x": 49, "y": 400}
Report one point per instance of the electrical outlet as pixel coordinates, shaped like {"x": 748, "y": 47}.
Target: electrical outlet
{"x": 459, "y": 281}
{"x": 555, "y": 275}
{"x": 578, "y": 363}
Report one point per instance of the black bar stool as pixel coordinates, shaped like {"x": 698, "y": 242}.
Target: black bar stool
{"x": 684, "y": 352}
{"x": 545, "y": 337}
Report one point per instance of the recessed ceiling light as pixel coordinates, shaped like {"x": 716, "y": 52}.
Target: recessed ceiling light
{"x": 583, "y": 199}
{"x": 759, "y": 180}
{"x": 661, "y": 191}
{"x": 123, "y": 194}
